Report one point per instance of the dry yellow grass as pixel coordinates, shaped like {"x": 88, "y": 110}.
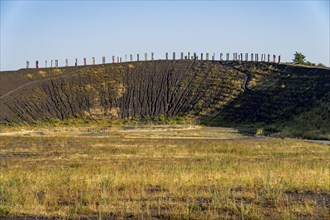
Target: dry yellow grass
{"x": 164, "y": 178}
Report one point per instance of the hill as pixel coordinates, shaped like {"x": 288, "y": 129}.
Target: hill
{"x": 275, "y": 97}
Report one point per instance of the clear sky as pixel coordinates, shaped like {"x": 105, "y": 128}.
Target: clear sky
{"x": 45, "y": 30}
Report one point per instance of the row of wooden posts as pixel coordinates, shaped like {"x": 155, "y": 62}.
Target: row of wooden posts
{"x": 188, "y": 56}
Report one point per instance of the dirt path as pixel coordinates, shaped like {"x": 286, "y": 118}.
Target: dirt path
{"x": 201, "y": 138}
{"x": 318, "y": 141}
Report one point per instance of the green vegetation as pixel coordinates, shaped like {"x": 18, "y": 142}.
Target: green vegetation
{"x": 312, "y": 124}
{"x": 164, "y": 178}
{"x": 161, "y": 120}
{"x": 299, "y": 58}
{"x": 108, "y": 122}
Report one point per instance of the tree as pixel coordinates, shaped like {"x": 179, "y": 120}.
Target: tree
{"x": 299, "y": 58}
{"x": 320, "y": 65}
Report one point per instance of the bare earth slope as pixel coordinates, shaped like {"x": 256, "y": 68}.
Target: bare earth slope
{"x": 218, "y": 92}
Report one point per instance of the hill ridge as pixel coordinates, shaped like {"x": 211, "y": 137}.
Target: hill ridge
{"x": 217, "y": 92}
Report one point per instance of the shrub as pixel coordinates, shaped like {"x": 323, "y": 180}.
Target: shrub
{"x": 42, "y": 73}
{"x": 29, "y": 76}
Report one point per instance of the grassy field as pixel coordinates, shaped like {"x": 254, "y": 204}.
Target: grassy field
{"x": 135, "y": 174}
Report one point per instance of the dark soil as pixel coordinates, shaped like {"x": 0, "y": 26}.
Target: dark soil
{"x": 321, "y": 199}
{"x": 240, "y": 92}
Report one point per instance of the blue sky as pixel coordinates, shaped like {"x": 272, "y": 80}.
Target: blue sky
{"x": 45, "y": 30}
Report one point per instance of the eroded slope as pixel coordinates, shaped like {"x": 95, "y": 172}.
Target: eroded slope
{"x": 219, "y": 92}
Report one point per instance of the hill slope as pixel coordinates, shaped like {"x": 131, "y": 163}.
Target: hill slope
{"x": 218, "y": 93}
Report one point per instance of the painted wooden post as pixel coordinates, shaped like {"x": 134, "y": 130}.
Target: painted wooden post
{"x": 207, "y": 56}
{"x": 93, "y": 60}
{"x": 66, "y": 62}
{"x": 138, "y": 57}
{"x": 85, "y": 62}
{"x": 27, "y": 64}
{"x": 37, "y": 64}
{"x": 103, "y": 60}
